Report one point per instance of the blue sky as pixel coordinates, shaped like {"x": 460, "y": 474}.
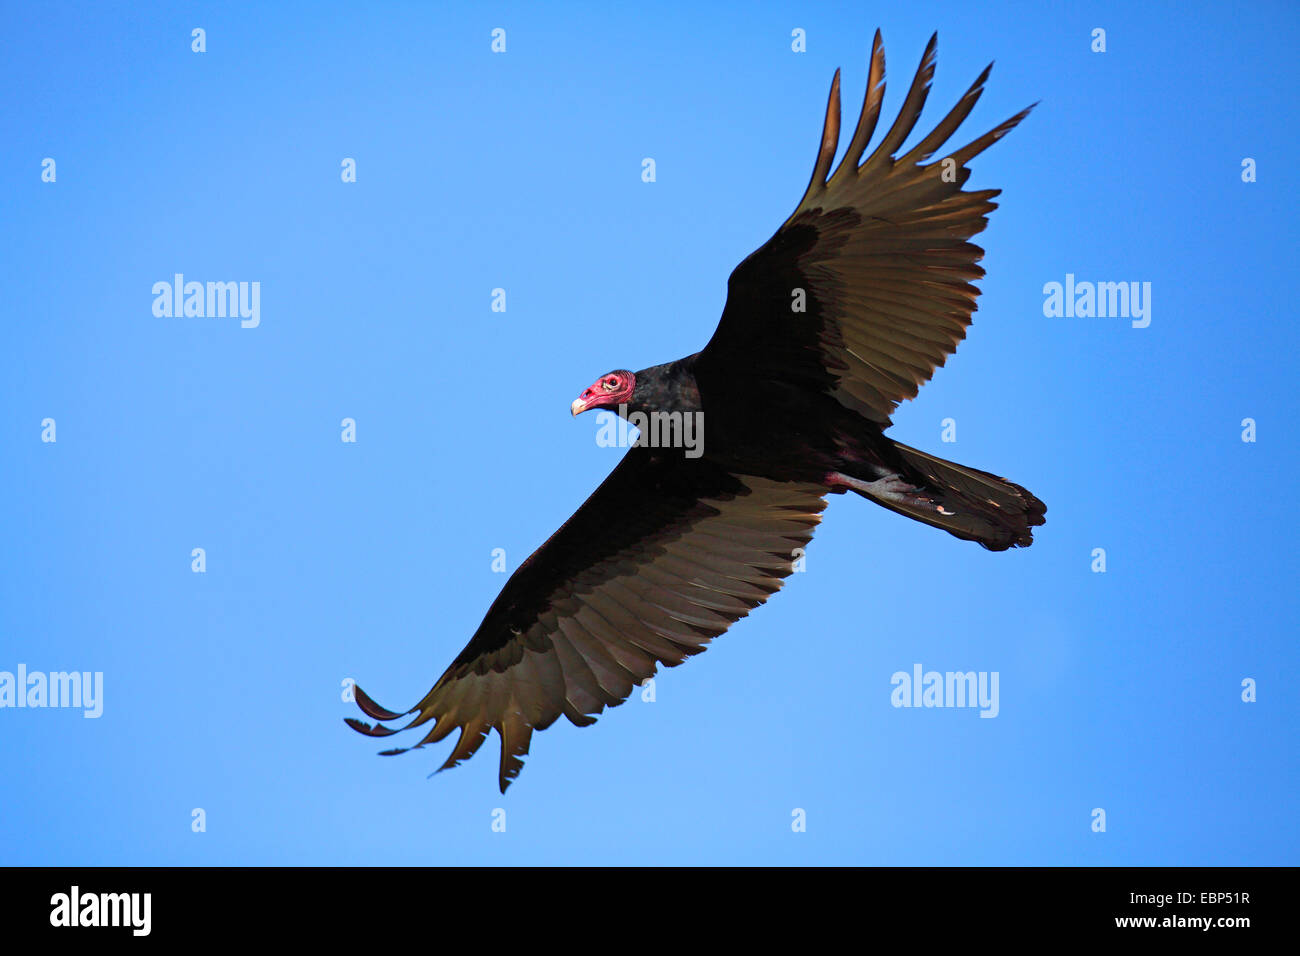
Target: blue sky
{"x": 372, "y": 560}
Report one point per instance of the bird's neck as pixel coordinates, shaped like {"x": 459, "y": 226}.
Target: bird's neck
{"x": 665, "y": 388}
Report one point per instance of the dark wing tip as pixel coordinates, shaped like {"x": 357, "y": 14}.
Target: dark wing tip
{"x": 370, "y": 708}
{"x": 370, "y": 730}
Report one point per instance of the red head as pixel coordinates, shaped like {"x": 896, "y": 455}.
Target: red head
{"x": 609, "y": 391}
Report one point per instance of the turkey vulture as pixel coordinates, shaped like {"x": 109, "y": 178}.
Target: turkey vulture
{"x": 841, "y": 315}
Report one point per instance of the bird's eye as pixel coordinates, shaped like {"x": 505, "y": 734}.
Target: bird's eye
{"x": 611, "y": 382}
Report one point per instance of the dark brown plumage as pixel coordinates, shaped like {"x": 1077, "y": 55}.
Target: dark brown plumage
{"x": 846, "y": 311}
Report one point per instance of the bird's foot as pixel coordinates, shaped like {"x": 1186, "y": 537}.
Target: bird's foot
{"x": 890, "y": 487}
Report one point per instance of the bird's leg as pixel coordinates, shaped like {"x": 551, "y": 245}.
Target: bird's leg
{"x": 836, "y": 483}
{"x": 889, "y": 487}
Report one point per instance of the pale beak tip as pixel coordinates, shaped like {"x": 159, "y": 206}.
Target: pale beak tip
{"x": 577, "y": 406}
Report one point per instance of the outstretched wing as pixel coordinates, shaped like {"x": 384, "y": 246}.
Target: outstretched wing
{"x": 865, "y": 289}
{"x": 664, "y": 556}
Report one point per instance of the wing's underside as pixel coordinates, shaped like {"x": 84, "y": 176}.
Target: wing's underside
{"x": 866, "y": 289}
{"x": 665, "y": 556}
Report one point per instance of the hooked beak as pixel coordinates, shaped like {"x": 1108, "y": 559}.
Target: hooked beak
{"x": 589, "y": 398}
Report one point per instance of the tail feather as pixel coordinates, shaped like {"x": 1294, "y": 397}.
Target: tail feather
{"x": 966, "y": 502}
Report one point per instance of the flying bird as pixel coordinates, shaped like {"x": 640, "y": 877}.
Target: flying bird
{"x": 841, "y": 315}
